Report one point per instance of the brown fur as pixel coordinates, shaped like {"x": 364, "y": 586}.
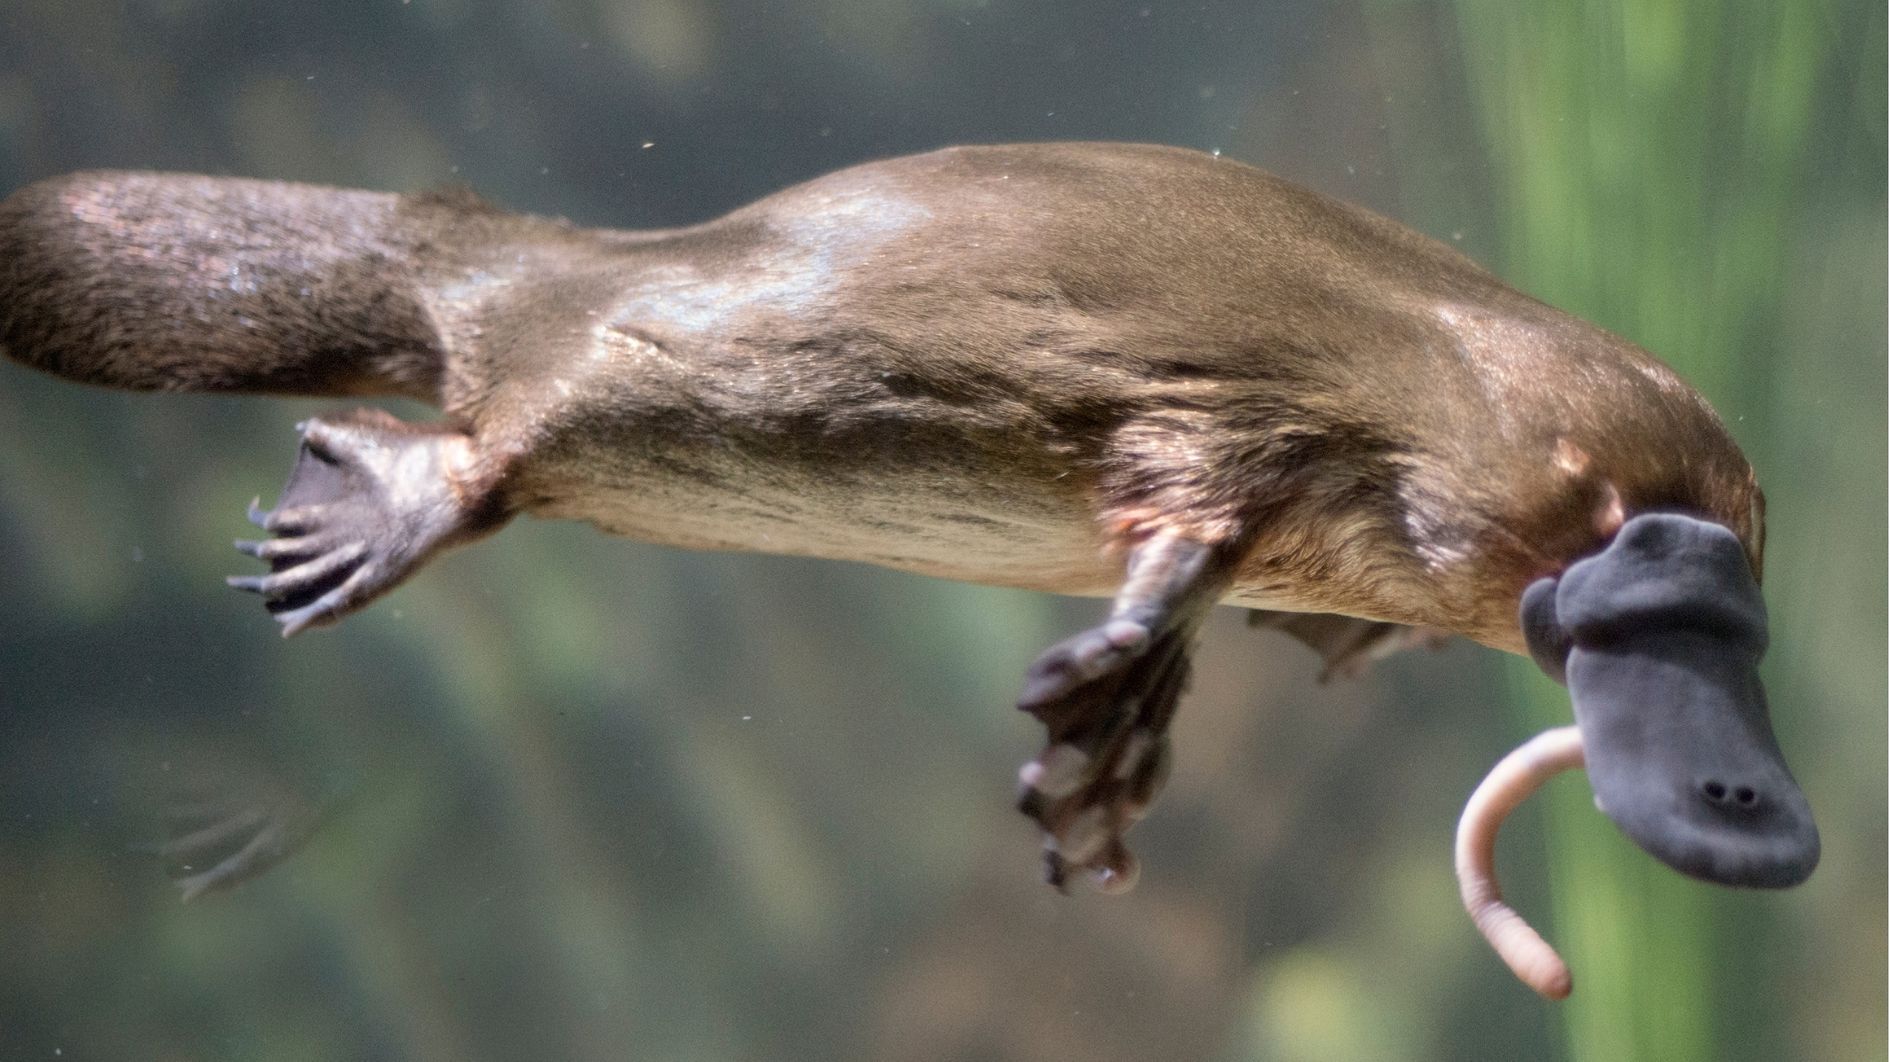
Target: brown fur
{"x": 1001, "y": 364}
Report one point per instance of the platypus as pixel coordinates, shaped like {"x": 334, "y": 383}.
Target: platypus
{"x": 1124, "y": 371}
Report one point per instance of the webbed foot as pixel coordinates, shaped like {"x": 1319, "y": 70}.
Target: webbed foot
{"x": 1107, "y": 697}
{"x": 1346, "y": 644}
{"x": 369, "y": 500}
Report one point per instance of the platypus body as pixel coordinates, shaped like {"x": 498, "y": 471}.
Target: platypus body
{"x": 1096, "y": 369}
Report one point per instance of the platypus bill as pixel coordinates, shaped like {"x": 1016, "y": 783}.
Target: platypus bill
{"x": 1101, "y": 369}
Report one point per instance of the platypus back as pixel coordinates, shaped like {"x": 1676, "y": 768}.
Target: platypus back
{"x": 176, "y": 283}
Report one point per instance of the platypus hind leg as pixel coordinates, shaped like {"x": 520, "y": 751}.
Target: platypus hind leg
{"x": 369, "y": 500}
{"x": 1107, "y": 697}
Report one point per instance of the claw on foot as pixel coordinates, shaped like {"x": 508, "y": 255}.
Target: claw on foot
{"x": 1513, "y": 780}
{"x": 280, "y": 584}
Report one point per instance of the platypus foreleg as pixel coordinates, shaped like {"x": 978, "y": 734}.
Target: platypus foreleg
{"x": 369, "y": 500}
{"x": 1107, "y": 697}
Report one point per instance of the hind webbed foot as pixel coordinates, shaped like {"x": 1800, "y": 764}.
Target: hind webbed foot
{"x": 368, "y": 501}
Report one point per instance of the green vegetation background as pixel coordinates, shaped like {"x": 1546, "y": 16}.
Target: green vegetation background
{"x": 597, "y": 800}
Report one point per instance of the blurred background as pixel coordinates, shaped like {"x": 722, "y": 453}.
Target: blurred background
{"x": 589, "y": 799}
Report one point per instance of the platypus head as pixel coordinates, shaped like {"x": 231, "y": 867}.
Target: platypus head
{"x": 1658, "y": 638}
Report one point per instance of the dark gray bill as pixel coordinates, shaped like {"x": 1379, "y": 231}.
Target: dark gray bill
{"x": 1659, "y": 638}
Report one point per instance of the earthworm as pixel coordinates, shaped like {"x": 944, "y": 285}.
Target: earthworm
{"x": 1513, "y": 780}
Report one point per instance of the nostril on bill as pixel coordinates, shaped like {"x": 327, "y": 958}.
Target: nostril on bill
{"x": 1740, "y": 797}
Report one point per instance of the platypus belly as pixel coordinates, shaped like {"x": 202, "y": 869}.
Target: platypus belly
{"x": 780, "y": 493}
{"x": 698, "y": 456}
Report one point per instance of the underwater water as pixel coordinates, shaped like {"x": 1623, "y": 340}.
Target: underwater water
{"x": 576, "y": 797}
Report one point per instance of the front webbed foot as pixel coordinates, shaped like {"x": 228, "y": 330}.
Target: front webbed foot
{"x": 1107, "y": 697}
{"x": 1348, "y": 645}
{"x": 369, "y": 499}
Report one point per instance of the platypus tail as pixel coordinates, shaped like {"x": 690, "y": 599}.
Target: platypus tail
{"x": 158, "y": 282}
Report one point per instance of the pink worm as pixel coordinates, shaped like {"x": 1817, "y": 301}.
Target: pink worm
{"x": 1513, "y": 780}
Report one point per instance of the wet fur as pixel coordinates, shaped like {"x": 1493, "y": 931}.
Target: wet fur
{"x": 1001, "y": 364}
